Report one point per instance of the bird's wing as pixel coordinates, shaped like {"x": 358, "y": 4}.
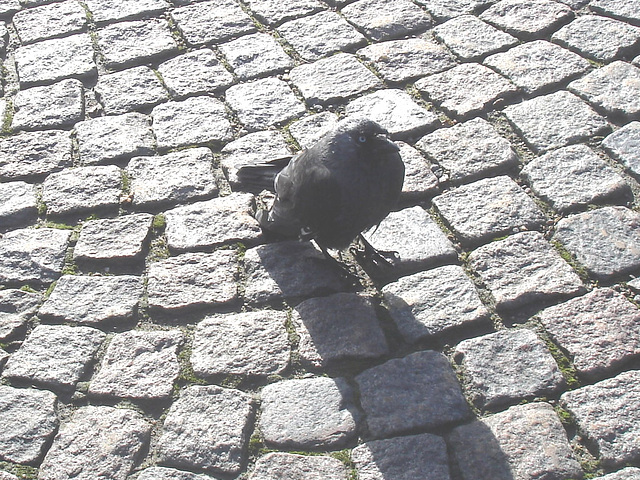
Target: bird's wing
{"x": 261, "y": 176}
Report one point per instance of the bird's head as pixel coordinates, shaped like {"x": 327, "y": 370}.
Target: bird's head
{"x": 367, "y": 135}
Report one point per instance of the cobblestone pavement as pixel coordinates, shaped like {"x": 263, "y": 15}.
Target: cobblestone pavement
{"x": 150, "y": 330}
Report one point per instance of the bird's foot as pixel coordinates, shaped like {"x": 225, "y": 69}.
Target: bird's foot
{"x": 347, "y": 271}
{"x": 380, "y": 258}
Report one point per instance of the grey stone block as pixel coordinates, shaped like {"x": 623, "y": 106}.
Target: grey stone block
{"x": 19, "y": 301}
{"x": 522, "y": 269}
{"x": 110, "y": 10}
{"x": 598, "y": 38}
{"x": 17, "y": 203}
{"x": 97, "y": 441}
{"x": 525, "y": 442}
{"x": 7, "y": 476}
{"x": 471, "y": 39}
{"x": 385, "y": 20}
{"x": 165, "y": 473}
{"x": 614, "y": 88}
{"x": 527, "y": 20}
{"x": 420, "y": 180}
{"x": 624, "y": 145}
{"x": 55, "y": 356}
{"x": 477, "y": 88}
{"x": 248, "y": 343}
{"x": 194, "y": 73}
{"x": 308, "y": 413}
{"x": 134, "y": 42}
{"x": 132, "y": 89}
{"x": 212, "y": 21}
{"x": 111, "y": 138}
{"x": 309, "y": 130}
{"x": 255, "y": 55}
{"x": 618, "y": 9}
{"x": 212, "y": 223}
{"x": 29, "y": 421}
{"x": 32, "y": 255}
{"x": 604, "y": 241}
{"x": 402, "y": 458}
{"x": 278, "y": 465}
{"x": 321, "y": 34}
{"x": 206, "y": 428}
{"x": 417, "y": 391}
{"x": 333, "y": 79}
{"x": 262, "y": 103}
{"x": 11, "y": 325}
{"x": 427, "y": 304}
{"x": 555, "y": 120}
{"x": 396, "y": 111}
{"x": 93, "y": 300}
{"x": 9, "y": 7}
{"x": 34, "y": 153}
{"x": 289, "y": 269}
{"x": 194, "y": 121}
{"x": 82, "y": 189}
{"x": 628, "y": 473}
{"x": 469, "y": 150}
{"x": 338, "y": 327}
{"x": 51, "y": 106}
{"x": 139, "y": 365}
{"x": 574, "y": 176}
{"x": 48, "y": 21}
{"x": 538, "y": 66}
{"x": 505, "y": 208}
{"x": 193, "y": 280}
{"x": 274, "y": 11}
{"x": 401, "y": 60}
{"x": 607, "y": 413}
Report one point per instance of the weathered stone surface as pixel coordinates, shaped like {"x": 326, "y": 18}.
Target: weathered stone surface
{"x": 51, "y": 106}
{"x": 604, "y": 241}
{"x": 34, "y": 153}
{"x": 248, "y": 343}
{"x": 419, "y": 178}
{"x": 29, "y": 420}
{"x": 445, "y": 9}
{"x": 9, "y": 7}
{"x": 396, "y": 458}
{"x": 206, "y": 428}
{"x": 628, "y": 473}
{"x": 127, "y": 43}
{"x": 526, "y": 442}
{"x": 574, "y": 176}
{"x": 7, "y": 476}
{"x": 274, "y": 11}
{"x": 289, "y": 269}
{"x": 212, "y": 21}
{"x": 32, "y": 255}
{"x": 624, "y": 145}
{"x": 111, "y": 138}
{"x": 139, "y": 365}
{"x": 522, "y": 269}
{"x": 469, "y": 150}
{"x": 255, "y": 55}
{"x": 620, "y": 9}
{"x": 52, "y": 60}
{"x": 17, "y": 203}
{"x": 394, "y": 110}
{"x": 477, "y": 88}
{"x": 212, "y": 223}
{"x": 308, "y": 413}
{"x": 321, "y": 34}
{"x": 527, "y": 20}
{"x": 277, "y": 465}
{"x": 93, "y": 300}
{"x": 192, "y": 280}
{"x": 109, "y": 10}
{"x": 338, "y": 327}
{"x": 504, "y": 208}
{"x": 599, "y": 38}
{"x": 165, "y": 473}
{"x": 415, "y": 236}
{"x": 309, "y": 130}
{"x": 430, "y": 303}
{"x": 417, "y": 391}
{"x": 262, "y": 103}
{"x": 614, "y": 88}
{"x": 11, "y": 325}
{"x": 48, "y": 21}
{"x": 555, "y": 120}
{"x": 97, "y": 441}
{"x": 537, "y": 66}
{"x": 128, "y": 90}
{"x": 335, "y": 78}
{"x": 55, "y": 356}
{"x": 194, "y": 121}
{"x": 607, "y": 412}
{"x": 384, "y": 19}
{"x": 471, "y": 39}
{"x": 400, "y": 60}
{"x": 194, "y": 72}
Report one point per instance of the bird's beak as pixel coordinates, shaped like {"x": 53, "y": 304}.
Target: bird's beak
{"x": 384, "y": 143}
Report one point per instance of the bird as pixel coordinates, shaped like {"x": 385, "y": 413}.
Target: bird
{"x": 331, "y": 192}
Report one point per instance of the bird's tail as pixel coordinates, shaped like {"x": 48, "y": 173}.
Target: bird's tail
{"x": 260, "y": 176}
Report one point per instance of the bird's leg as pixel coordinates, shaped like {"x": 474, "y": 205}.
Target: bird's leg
{"x": 348, "y": 271}
{"x": 379, "y": 258}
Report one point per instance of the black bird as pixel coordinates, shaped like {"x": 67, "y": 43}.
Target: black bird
{"x": 343, "y": 185}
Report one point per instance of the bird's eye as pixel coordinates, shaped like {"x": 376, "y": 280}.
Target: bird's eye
{"x": 362, "y": 139}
